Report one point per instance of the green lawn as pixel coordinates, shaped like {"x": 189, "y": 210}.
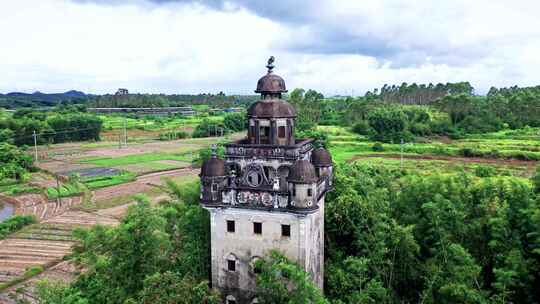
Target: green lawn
{"x": 150, "y": 123}
{"x": 107, "y": 181}
{"x": 134, "y": 159}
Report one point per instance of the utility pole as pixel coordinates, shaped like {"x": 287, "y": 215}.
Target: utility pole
{"x": 35, "y": 147}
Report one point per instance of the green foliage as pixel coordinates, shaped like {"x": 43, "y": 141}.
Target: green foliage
{"x": 56, "y": 292}
{"x": 205, "y": 154}
{"x": 235, "y": 122}
{"x": 281, "y": 281}
{"x": 157, "y": 254}
{"x": 66, "y": 190}
{"x": 208, "y": 128}
{"x": 75, "y": 127}
{"x": 320, "y": 137}
{"x": 15, "y": 223}
{"x": 308, "y": 106}
{"x": 377, "y": 147}
{"x": 389, "y": 124}
{"x": 170, "y": 287}
{"x": 419, "y": 94}
{"x": 536, "y": 179}
{"x": 172, "y": 135}
{"x": 362, "y": 127}
{"x": 14, "y": 162}
{"x": 107, "y": 181}
{"x": 399, "y": 236}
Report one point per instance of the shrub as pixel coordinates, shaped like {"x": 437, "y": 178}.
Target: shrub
{"x": 235, "y": 122}
{"x": 362, "y": 127}
{"x": 320, "y": 137}
{"x": 172, "y": 135}
{"x": 485, "y": 171}
{"x": 389, "y": 124}
{"x": 208, "y": 128}
{"x": 15, "y": 223}
{"x": 421, "y": 129}
{"x": 377, "y": 147}
{"x": 536, "y": 180}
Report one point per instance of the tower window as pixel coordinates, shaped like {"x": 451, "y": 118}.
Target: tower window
{"x": 230, "y": 226}
{"x": 281, "y": 132}
{"x": 286, "y": 230}
{"x": 294, "y": 190}
{"x": 214, "y": 187}
{"x": 309, "y": 192}
{"x": 257, "y": 228}
{"x": 264, "y": 133}
{"x": 231, "y": 265}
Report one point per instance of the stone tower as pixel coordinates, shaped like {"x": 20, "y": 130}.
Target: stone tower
{"x": 268, "y": 193}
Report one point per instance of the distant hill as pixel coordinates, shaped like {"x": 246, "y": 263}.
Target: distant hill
{"x": 38, "y": 99}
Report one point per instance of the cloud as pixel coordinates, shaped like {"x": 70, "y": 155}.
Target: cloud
{"x": 211, "y": 46}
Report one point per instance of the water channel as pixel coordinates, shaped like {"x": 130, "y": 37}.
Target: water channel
{"x": 6, "y": 210}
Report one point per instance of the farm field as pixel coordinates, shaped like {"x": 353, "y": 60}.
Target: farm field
{"x": 513, "y": 152}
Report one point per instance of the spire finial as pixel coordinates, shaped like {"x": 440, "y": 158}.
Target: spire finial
{"x": 214, "y": 150}
{"x": 270, "y": 64}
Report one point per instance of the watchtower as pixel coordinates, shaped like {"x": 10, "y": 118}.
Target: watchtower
{"x": 267, "y": 193}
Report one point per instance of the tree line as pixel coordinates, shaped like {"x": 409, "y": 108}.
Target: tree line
{"x": 455, "y": 112}
{"x": 419, "y": 93}
{"x": 219, "y": 100}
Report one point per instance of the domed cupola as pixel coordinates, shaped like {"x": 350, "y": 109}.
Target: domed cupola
{"x": 213, "y": 167}
{"x": 302, "y": 183}
{"x": 321, "y": 158}
{"x": 323, "y": 165}
{"x": 271, "y": 84}
{"x": 212, "y": 179}
{"x": 271, "y": 120}
{"x": 302, "y": 171}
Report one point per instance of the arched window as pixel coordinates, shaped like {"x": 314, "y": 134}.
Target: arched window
{"x": 230, "y": 299}
{"x": 255, "y": 301}
{"x": 230, "y": 262}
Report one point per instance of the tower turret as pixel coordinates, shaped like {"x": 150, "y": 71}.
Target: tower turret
{"x": 271, "y": 120}
{"x": 212, "y": 179}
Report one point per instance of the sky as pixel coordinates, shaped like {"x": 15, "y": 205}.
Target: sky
{"x": 337, "y": 47}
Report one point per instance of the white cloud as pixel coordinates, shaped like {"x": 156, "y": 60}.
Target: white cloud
{"x": 55, "y": 45}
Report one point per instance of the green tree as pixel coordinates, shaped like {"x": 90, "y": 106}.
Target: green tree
{"x": 281, "y": 281}
{"x": 170, "y": 287}
{"x": 235, "y": 122}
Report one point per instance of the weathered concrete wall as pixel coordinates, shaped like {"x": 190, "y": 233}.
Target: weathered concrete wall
{"x": 304, "y": 246}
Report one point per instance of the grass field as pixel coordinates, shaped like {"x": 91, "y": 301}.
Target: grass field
{"x": 509, "y": 152}
{"x": 149, "y": 123}
{"x": 135, "y": 159}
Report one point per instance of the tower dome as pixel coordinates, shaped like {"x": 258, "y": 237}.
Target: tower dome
{"x": 321, "y": 158}
{"x": 302, "y": 172}
{"x": 271, "y": 84}
{"x": 213, "y": 167}
{"x": 274, "y": 108}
